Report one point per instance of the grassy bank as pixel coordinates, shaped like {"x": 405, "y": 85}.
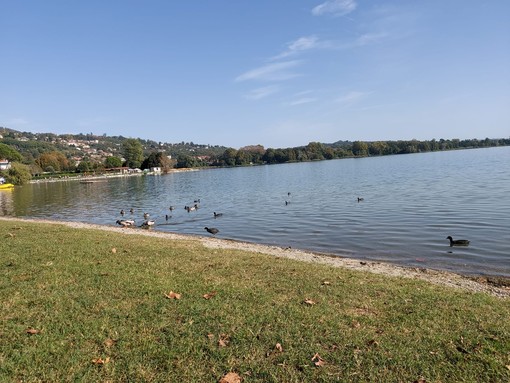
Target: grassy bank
{"x": 90, "y": 305}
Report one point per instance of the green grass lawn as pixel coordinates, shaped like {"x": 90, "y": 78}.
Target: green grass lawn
{"x": 95, "y": 308}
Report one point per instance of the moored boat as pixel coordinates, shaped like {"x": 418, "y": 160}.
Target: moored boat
{"x": 6, "y": 186}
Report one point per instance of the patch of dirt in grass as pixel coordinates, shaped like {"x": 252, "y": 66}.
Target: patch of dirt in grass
{"x": 497, "y": 286}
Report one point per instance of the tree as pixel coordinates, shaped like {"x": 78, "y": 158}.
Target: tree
{"x": 133, "y": 152}
{"x": 243, "y": 157}
{"x": 84, "y": 167}
{"x": 9, "y": 153}
{"x": 315, "y": 151}
{"x": 160, "y": 160}
{"x": 55, "y": 160}
{"x": 165, "y": 163}
{"x": 229, "y": 157}
{"x": 377, "y": 148}
{"x": 185, "y": 161}
{"x": 18, "y": 174}
{"x": 113, "y": 162}
{"x": 359, "y": 148}
{"x": 151, "y": 162}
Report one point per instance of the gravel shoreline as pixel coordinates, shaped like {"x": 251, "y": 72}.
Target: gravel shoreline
{"x": 494, "y": 286}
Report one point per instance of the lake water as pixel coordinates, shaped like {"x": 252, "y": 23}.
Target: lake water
{"x": 411, "y": 204}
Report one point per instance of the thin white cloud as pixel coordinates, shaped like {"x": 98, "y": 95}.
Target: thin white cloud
{"x": 300, "y": 98}
{"x": 303, "y": 43}
{"x": 335, "y": 8}
{"x": 259, "y": 93}
{"x": 360, "y": 41}
{"x": 352, "y": 97}
{"x": 300, "y": 45}
{"x": 370, "y": 38}
{"x": 303, "y": 93}
{"x": 301, "y": 101}
{"x": 271, "y": 72}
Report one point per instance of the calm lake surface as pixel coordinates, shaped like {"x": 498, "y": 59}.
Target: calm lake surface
{"x": 411, "y": 204}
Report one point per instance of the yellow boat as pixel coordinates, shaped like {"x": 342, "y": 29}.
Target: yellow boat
{"x": 6, "y": 186}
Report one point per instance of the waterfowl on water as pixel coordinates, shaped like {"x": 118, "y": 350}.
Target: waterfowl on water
{"x": 131, "y": 210}
{"x": 122, "y": 212}
{"x": 146, "y": 216}
{"x": 458, "y": 242}
{"x": 171, "y": 208}
{"x": 211, "y": 230}
{"x": 217, "y": 214}
{"x": 361, "y": 199}
{"x": 125, "y": 222}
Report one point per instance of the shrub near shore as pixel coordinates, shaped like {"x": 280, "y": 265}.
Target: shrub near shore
{"x": 91, "y": 305}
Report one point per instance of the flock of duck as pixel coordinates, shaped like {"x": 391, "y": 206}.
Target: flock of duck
{"x": 148, "y": 223}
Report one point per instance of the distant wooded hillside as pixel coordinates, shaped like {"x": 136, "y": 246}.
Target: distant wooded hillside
{"x": 52, "y": 153}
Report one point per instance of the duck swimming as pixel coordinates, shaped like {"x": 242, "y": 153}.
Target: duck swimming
{"x": 217, "y": 214}
{"x": 458, "y": 242}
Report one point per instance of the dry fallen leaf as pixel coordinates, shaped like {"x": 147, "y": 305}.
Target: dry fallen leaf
{"x": 222, "y": 343}
{"x": 32, "y": 331}
{"x": 109, "y": 342}
{"x": 100, "y": 361}
{"x": 10, "y": 235}
{"x": 279, "y": 347}
{"x": 508, "y": 366}
{"x": 224, "y": 340}
{"x": 421, "y": 380}
{"x": 172, "y": 295}
{"x": 326, "y": 283}
{"x": 209, "y": 295}
{"x": 355, "y": 324}
{"x": 231, "y": 377}
{"x": 114, "y": 250}
{"x": 210, "y": 336}
{"x": 318, "y": 361}
{"x": 372, "y": 342}
{"x": 309, "y": 302}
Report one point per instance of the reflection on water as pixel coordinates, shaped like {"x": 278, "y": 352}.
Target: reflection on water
{"x": 6, "y": 206}
{"x": 411, "y": 204}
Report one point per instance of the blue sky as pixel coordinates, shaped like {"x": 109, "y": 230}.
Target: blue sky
{"x": 276, "y": 73}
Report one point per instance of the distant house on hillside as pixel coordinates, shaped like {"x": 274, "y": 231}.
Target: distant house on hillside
{"x": 4, "y": 164}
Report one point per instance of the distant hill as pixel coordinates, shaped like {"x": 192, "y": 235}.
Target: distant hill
{"x": 93, "y": 149}
{"x": 30, "y": 145}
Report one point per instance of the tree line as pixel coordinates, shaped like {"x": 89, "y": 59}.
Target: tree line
{"x": 35, "y": 158}
{"x": 316, "y": 151}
